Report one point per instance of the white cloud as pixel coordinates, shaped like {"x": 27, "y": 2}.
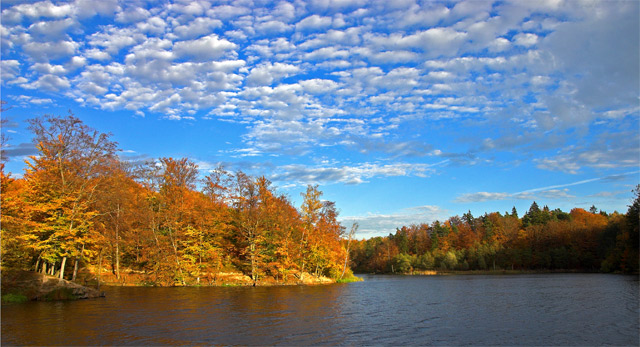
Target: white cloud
{"x": 549, "y": 192}
{"x": 194, "y": 8}
{"x": 499, "y": 44}
{"x": 9, "y": 69}
{"x": 525, "y": 39}
{"x": 359, "y": 174}
{"x": 41, "y": 9}
{"x": 434, "y": 42}
{"x": 314, "y": 22}
{"x": 272, "y": 27}
{"x": 482, "y": 196}
{"x": 266, "y": 74}
{"x": 26, "y": 99}
{"x": 205, "y": 48}
{"x": 534, "y": 77}
{"x": 51, "y": 30}
{"x": 50, "y": 83}
{"x": 154, "y": 25}
{"x": 197, "y": 27}
{"x": 132, "y": 15}
{"x": 88, "y": 8}
{"x": 113, "y": 39}
{"x": 46, "y": 68}
{"x": 326, "y": 53}
{"x": 381, "y": 224}
{"x": 47, "y": 51}
{"x": 228, "y": 11}
{"x": 97, "y": 54}
{"x": 318, "y": 86}
{"x": 600, "y": 55}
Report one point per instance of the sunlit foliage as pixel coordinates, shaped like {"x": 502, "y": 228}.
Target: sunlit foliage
{"x": 78, "y": 201}
{"x": 542, "y": 239}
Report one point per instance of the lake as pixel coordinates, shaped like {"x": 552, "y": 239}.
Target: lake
{"x": 528, "y": 309}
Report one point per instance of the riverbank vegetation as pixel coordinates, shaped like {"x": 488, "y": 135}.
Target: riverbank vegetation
{"x": 542, "y": 240}
{"x": 79, "y": 206}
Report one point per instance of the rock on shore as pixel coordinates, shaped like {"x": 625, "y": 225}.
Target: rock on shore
{"x": 36, "y": 286}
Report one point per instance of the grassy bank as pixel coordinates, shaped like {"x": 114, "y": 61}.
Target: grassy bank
{"x": 12, "y": 298}
{"x": 350, "y": 279}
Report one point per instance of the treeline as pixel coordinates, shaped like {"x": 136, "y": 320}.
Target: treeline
{"x": 78, "y": 204}
{"x": 542, "y": 239}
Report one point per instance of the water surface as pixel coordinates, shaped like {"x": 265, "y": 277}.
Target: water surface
{"x": 540, "y": 309}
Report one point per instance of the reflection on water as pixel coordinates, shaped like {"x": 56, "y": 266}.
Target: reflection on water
{"x": 554, "y": 309}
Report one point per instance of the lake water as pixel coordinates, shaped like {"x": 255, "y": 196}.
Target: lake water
{"x": 539, "y": 309}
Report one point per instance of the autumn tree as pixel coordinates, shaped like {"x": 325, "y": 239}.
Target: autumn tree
{"x": 64, "y": 180}
{"x": 310, "y": 210}
{"x": 119, "y": 210}
{"x": 247, "y": 220}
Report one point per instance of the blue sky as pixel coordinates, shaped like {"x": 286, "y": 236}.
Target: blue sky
{"x": 402, "y": 111}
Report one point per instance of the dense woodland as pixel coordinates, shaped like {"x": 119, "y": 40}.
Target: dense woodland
{"x": 78, "y": 204}
{"x": 542, "y": 239}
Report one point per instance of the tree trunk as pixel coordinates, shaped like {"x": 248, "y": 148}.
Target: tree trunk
{"x": 75, "y": 270}
{"x": 64, "y": 263}
{"x": 177, "y": 258}
{"x": 99, "y": 268}
{"x": 117, "y": 261}
{"x": 75, "y": 266}
{"x": 354, "y": 227}
{"x": 37, "y": 263}
{"x": 44, "y": 268}
{"x": 252, "y": 248}
{"x": 118, "y": 243}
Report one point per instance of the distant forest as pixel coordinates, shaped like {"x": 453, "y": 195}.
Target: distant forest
{"x": 542, "y": 239}
{"x": 79, "y": 205}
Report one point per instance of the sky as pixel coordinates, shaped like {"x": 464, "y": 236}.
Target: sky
{"x": 403, "y": 112}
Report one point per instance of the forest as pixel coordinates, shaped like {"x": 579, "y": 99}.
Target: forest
{"x": 78, "y": 205}
{"x": 542, "y": 239}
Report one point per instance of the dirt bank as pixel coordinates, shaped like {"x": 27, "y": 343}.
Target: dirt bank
{"x": 36, "y": 286}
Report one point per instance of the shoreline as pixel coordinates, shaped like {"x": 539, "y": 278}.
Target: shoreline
{"x": 490, "y": 272}
{"x": 20, "y": 286}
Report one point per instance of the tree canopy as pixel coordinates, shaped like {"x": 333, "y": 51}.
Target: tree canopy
{"x": 79, "y": 205}
{"x": 542, "y": 239}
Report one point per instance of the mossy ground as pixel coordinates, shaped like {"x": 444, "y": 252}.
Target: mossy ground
{"x": 14, "y": 298}
{"x": 349, "y": 279}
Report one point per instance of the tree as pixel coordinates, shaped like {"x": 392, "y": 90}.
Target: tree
{"x": 118, "y": 212}
{"x": 352, "y": 233}
{"x": 177, "y": 183}
{"x": 402, "y": 263}
{"x": 16, "y": 248}
{"x": 247, "y": 220}
{"x": 64, "y": 181}
{"x": 311, "y": 206}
